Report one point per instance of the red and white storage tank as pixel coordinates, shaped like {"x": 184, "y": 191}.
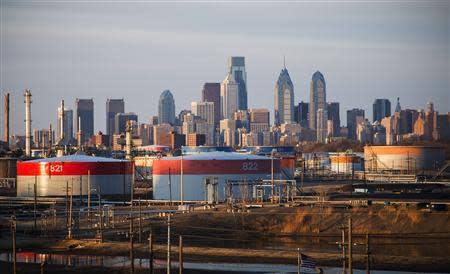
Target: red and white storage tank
{"x": 198, "y": 168}
{"x": 53, "y": 175}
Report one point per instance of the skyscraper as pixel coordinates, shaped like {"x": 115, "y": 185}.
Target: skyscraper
{"x": 321, "y": 130}
{"x": 68, "y": 126}
{"x": 228, "y": 97}
{"x": 113, "y": 106}
{"x": 318, "y": 97}
{"x": 398, "y": 108}
{"x": 381, "y": 109}
{"x": 333, "y": 115}
{"x": 121, "y": 120}
{"x": 284, "y": 99}
{"x": 204, "y": 110}
{"x": 211, "y": 93}
{"x": 236, "y": 66}
{"x": 166, "y": 108}
{"x": 85, "y": 116}
{"x": 302, "y": 112}
{"x": 353, "y": 117}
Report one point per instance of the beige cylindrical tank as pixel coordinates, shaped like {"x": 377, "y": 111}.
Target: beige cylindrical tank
{"x": 403, "y": 158}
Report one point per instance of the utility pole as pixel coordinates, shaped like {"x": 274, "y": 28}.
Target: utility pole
{"x": 131, "y": 244}
{"x": 344, "y": 257}
{"x": 180, "y": 256}
{"x": 70, "y": 211}
{"x": 168, "y": 243}
{"x": 140, "y": 221}
{"x": 100, "y": 209}
{"x": 89, "y": 197}
{"x": 13, "y": 232}
{"x": 150, "y": 246}
{"x": 350, "y": 254}
{"x": 67, "y": 203}
{"x": 35, "y": 203}
{"x": 367, "y": 253}
{"x": 299, "y": 261}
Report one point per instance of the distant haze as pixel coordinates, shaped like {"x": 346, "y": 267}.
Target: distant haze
{"x": 136, "y": 49}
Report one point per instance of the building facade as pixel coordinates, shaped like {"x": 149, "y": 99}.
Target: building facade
{"x": 317, "y": 97}
{"x": 211, "y": 93}
{"x": 381, "y": 109}
{"x": 353, "y": 117}
{"x": 284, "y": 99}
{"x": 166, "y": 108}
{"x": 113, "y": 106}
{"x": 85, "y": 118}
{"x": 236, "y": 66}
{"x": 228, "y": 97}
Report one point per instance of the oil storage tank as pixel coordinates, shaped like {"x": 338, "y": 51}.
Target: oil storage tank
{"x": 53, "y": 176}
{"x": 403, "y": 158}
{"x": 205, "y": 172}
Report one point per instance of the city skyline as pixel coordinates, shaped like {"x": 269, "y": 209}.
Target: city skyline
{"x": 402, "y": 55}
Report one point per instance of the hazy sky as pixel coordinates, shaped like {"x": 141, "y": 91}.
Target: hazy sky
{"x": 136, "y": 49}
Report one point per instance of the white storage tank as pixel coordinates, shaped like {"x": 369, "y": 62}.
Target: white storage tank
{"x": 53, "y": 175}
{"x": 198, "y": 169}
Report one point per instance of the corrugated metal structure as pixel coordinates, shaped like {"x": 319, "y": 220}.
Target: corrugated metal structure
{"x": 403, "y": 158}
{"x": 53, "y": 175}
{"x": 206, "y": 174}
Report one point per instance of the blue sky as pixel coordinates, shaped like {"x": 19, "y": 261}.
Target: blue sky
{"x": 136, "y": 49}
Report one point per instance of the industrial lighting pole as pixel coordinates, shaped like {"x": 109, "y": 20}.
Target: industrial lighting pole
{"x": 350, "y": 253}
{"x": 168, "y": 243}
{"x": 35, "y": 203}
{"x": 13, "y": 231}
{"x": 181, "y": 179}
{"x": 272, "y": 175}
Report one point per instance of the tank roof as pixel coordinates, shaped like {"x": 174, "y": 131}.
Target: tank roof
{"x": 75, "y": 158}
{"x": 218, "y": 155}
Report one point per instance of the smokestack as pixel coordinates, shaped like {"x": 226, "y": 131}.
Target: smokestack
{"x": 128, "y": 140}
{"x": 79, "y": 133}
{"x": 61, "y": 137}
{"x": 50, "y": 137}
{"x": 27, "y": 95}
{"x": 6, "y": 131}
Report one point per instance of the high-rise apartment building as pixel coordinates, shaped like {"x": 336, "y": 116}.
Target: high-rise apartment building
{"x": 121, "y": 120}
{"x": 284, "y": 99}
{"x": 353, "y": 117}
{"x": 113, "y": 106}
{"x": 381, "y": 109}
{"x": 85, "y": 118}
{"x": 259, "y": 120}
{"x": 334, "y": 116}
{"x": 236, "y": 66}
{"x": 317, "y": 97}
{"x": 211, "y": 93}
{"x": 228, "y": 97}
{"x": 166, "y": 108}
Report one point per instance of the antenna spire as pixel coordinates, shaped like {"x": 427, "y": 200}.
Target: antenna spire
{"x": 284, "y": 61}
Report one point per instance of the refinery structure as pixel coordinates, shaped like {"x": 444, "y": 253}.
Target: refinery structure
{"x": 221, "y": 172}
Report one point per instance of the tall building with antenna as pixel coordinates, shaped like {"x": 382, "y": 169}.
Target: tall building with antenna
{"x": 284, "y": 98}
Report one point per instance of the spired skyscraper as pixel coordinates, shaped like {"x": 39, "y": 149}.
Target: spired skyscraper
{"x": 284, "y": 99}
{"x": 166, "y": 108}
{"x": 85, "y": 118}
{"x": 317, "y": 97}
{"x": 236, "y": 66}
